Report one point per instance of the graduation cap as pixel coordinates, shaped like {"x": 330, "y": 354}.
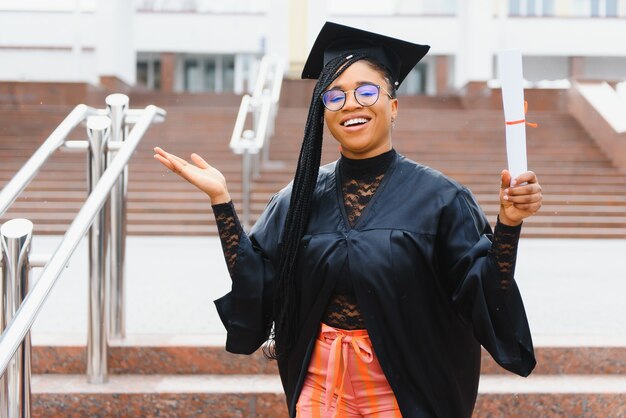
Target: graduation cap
{"x": 336, "y": 40}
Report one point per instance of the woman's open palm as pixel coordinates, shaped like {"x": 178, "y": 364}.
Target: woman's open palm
{"x": 200, "y": 174}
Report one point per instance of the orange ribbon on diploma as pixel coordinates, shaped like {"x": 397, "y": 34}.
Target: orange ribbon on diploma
{"x": 515, "y": 122}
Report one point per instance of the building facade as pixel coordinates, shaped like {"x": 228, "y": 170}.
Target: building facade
{"x": 215, "y": 45}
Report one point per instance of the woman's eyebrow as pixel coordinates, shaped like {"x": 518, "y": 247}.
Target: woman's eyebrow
{"x": 358, "y": 83}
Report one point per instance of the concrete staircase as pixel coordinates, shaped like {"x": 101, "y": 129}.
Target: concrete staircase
{"x": 585, "y": 196}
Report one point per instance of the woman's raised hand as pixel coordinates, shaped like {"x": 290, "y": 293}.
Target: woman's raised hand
{"x": 202, "y": 175}
{"x": 519, "y": 198}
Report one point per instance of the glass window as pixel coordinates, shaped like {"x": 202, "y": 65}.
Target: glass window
{"x": 193, "y": 76}
{"x": 595, "y": 8}
{"x": 415, "y": 81}
{"x": 531, "y": 7}
{"x": 228, "y": 78}
{"x": 142, "y": 73}
{"x": 157, "y": 75}
{"x": 611, "y": 8}
{"x": 210, "y": 74}
{"x": 514, "y": 7}
{"x": 440, "y": 7}
{"x": 580, "y": 8}
{"x": 548, "y": 8}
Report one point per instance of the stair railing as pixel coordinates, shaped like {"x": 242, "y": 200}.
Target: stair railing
{"x": 110, "y": 149}
{"x": 254, "y": 143}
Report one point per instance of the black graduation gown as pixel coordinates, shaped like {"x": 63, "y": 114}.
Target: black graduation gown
{"x": 425, "y": 281}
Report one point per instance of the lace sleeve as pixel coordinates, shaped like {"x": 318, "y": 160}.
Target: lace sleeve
{"x": 504, "y": 251}
{"x": 230, "y": 231}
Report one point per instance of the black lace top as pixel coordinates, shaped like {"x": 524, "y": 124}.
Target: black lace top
{"x": 359, "y": 182}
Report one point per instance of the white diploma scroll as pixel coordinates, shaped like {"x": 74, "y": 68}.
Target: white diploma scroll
{"x": 511, "y": 80}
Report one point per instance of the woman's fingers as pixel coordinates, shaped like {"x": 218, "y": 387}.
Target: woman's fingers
{"x": 505, "y": 179}
{"x": 171, "y": 157}
{"x": 528, "y": 207}
{"x": 523, "y": 190}
{"x": 527, "y": 177}
{"x": 164, "y": 161}
{"x": 176, "y": 164}
{"x": 529, "y": 198}
{"x": 199, "y": 161}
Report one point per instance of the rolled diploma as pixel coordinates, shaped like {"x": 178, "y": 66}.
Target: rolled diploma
{"x": 511, "y": 80}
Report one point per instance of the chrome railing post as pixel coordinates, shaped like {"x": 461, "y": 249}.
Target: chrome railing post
{"x": 255, "y": 162}
{"x": 98, "y": 131}
{"x": 20, "y": 324}
{"x": 117, "y": 104}
{"x": 246, "y": 173}
{"x": 15, "y": 241}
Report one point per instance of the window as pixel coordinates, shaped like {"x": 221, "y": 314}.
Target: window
{"x": 595, "y": 8}
{"x": 531, "y": 7}
{"x": 440, "y": 7}
{"x": 149, "y": 71}
{"x": 215, "y": 73}
{"x": 415, "y": 81}
{"x": 204, "y": 6}
{"x": 603, "y": 8}
{"x": 193, "y": 79}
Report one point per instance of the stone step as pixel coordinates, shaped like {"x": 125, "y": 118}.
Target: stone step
{"x": 262, "y": 396}
{"x": 158, "y": 355}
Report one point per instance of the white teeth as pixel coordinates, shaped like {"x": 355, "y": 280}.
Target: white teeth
{"x": 354, "y": 121}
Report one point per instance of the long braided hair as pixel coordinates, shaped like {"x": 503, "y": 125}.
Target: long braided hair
{"x": 286, "y": 303}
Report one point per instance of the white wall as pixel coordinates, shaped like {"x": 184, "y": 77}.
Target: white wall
{"x": 47, "y": 29}
{"x": 441, "y": 33}
{"x": 200, "y": 33}
{"x": 115, "y": 40}
{"x": 566, "y": 37}
{"x": 545, "y": 68}
{"x": 67, "y": 37}
{"x": 48, "y": 65}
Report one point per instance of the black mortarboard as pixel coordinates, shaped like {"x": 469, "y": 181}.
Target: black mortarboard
{"x": 334, "y": 40}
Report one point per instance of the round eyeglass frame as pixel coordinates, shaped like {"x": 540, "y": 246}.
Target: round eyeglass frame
{"x": 345, "y": 96}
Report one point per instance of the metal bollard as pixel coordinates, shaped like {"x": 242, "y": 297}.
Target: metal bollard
{"x": 98, "y": 131}
{"x": 117, "y": 104}
{"x": 15, "y": 240}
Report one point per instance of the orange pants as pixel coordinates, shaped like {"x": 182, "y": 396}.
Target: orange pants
{"x": 344, "y": 379}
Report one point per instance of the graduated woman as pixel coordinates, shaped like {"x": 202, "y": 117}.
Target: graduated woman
{"x": 373, "y": 280}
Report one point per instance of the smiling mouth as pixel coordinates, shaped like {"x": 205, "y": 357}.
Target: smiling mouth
{"x": 355, "y": 122}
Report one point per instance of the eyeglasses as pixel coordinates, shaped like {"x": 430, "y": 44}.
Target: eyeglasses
{"x": 365, "y": 95}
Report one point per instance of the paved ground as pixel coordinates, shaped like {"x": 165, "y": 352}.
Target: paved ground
{"x": 573, "y": 290}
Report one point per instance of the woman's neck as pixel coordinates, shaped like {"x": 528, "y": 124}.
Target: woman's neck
{"x": 372, "y": 166}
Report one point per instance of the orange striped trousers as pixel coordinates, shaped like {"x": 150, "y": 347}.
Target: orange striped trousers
{"x": 345, "y": 379}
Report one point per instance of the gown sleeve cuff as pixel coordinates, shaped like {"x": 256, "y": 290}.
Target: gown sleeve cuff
{"x": 504, "y": 251}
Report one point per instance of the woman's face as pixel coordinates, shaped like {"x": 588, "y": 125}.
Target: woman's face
{"x": 362, "y": 140}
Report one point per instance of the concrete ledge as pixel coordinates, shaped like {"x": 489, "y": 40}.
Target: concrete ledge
{"x": 598, "y": 111}
{"x": 246, "y": 396}
{"x": 168, "y": 358}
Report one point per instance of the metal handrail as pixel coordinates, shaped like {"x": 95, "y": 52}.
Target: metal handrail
{"x": 55, "y": 140}
{"x": 261, "y": 97}
{"x": 25, "y": 316}
{"x": 20, "y": 181}
{"x": 263, "y": 104}
{"x": 235, "y": 139}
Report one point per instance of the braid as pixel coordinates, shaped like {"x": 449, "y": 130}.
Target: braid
{"x": 286, "y": 303}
